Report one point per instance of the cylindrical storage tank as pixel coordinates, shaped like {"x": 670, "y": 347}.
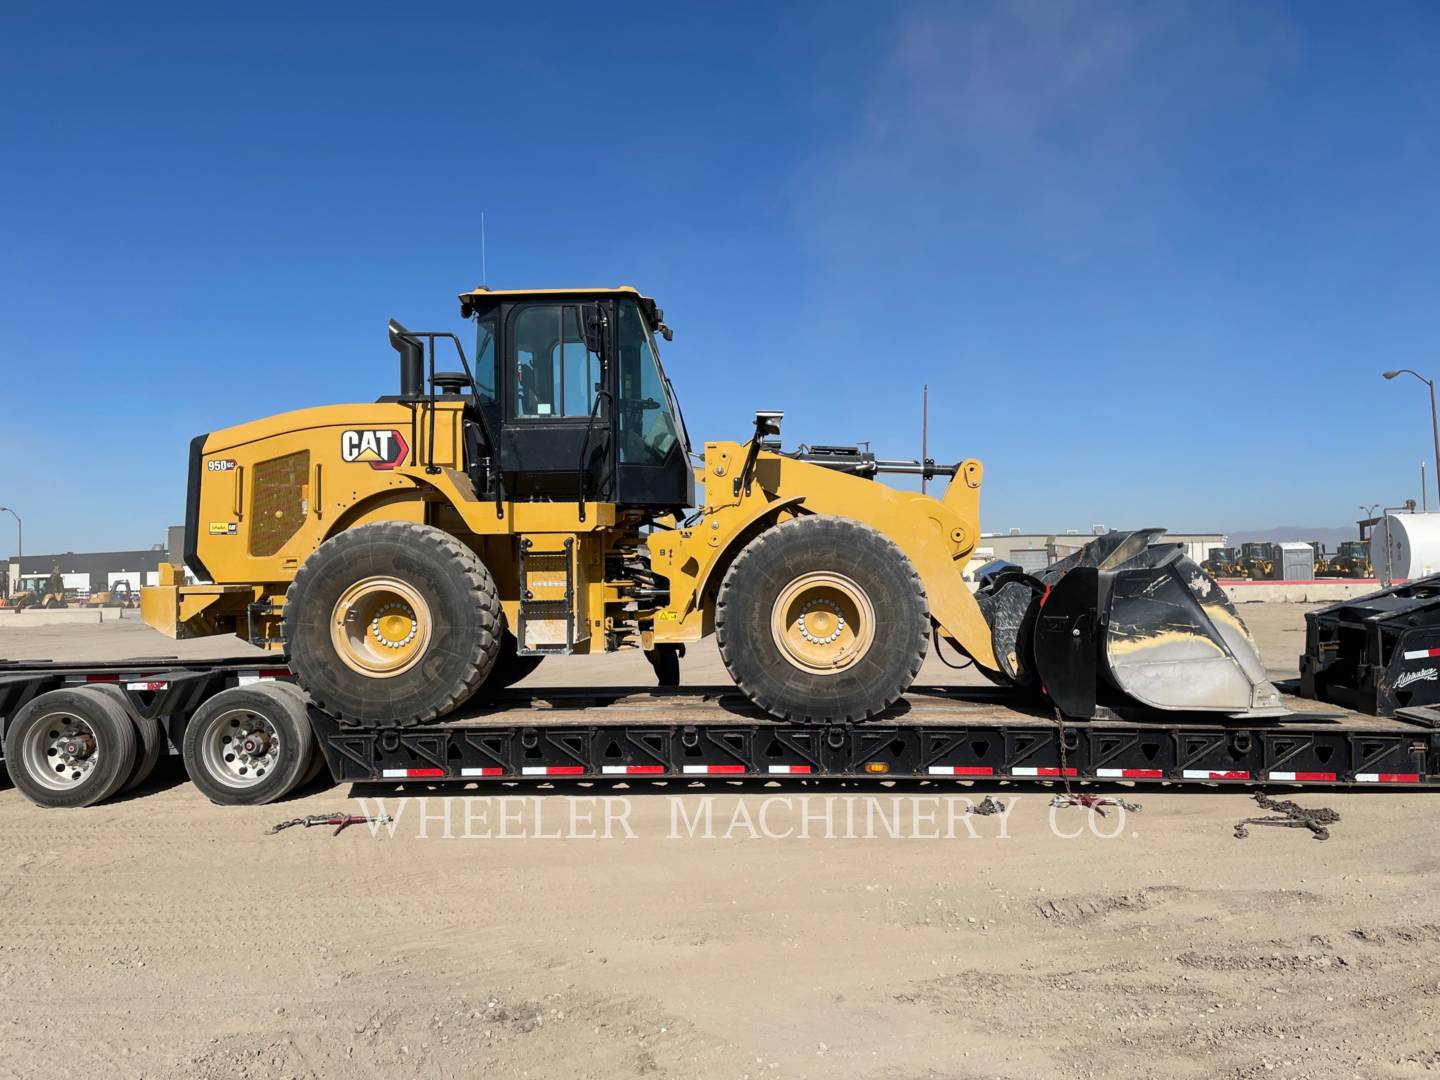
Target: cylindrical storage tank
{"x": 1414, "y": 546}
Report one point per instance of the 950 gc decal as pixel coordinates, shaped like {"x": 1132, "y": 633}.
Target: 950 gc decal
{"x": 380, "y": 449}
{"x": 220, "y": 464}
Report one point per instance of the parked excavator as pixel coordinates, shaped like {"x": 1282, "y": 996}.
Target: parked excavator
{"x": 432, "y": 547}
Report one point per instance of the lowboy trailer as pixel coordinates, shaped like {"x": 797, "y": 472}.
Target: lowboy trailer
{"x": 75, "y": 735}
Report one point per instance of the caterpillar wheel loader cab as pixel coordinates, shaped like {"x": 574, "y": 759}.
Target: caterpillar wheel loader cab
{"x": 417, "y": 551}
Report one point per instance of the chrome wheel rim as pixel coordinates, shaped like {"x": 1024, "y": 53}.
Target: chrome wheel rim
{"x": 60, "y": 751}
{"x": 240, "y": 748}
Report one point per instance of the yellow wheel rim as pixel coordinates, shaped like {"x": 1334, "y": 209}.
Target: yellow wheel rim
{"x": 823, "y": 623}
{"x": 381, "y": 627}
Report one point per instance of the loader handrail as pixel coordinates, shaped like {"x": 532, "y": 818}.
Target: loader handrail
{"x": 491, "y": 441}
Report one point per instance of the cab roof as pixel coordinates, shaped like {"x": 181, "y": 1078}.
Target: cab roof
{"x": 469, "y": 301}
{"x": 483, "y": 292}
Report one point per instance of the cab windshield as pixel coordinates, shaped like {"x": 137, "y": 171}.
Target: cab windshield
{"x": 649, "y": 422}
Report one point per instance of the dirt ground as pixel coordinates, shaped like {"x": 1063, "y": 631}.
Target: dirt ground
{"x": 162, "y": 936}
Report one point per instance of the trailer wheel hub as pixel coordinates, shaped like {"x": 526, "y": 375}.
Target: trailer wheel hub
{"x": 822, "y": 622}
{"x": 381, "y": 626}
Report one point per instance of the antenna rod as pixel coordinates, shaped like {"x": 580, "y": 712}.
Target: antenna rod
{"x": 924, "y": 431}
{"x": 484, "y": 277}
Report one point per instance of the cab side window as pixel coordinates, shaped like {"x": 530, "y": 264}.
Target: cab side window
{"x": 555, "y": 374}
{"x": 485, "y": 368}
{"x": 647, "y": 430}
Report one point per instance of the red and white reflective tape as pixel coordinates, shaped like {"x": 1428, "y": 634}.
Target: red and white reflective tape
{"x": 1043, "y": 770}
{"x": 789, "y": 770}
{"x": 488, "y": 770}
{"x": 411, "y": 774}
{"x": 79, "y": 680}
{"x": 710, "y": 770}
{"x": 1387, "y": 778}
{"x": 1300, "y": 776}
{"x": 960, "y": 770}
{"x": 245, "y": 678}
{"x": 632, "y": 770}
{"x": 1131, "y": 774}
{"x": 1215, "y": 774}
{"x": 553, "y": 770}
{"x": 153, "y": 684}
{"x": 1422, "y": 654}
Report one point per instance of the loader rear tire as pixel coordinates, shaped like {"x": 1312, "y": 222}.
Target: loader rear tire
{"x": 822, "y": 620}
{"x": 392, "y": 624}
{"x": 510, "y": 667}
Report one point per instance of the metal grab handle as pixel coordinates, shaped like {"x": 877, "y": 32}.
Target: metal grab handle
{"x": 239, "y": 492}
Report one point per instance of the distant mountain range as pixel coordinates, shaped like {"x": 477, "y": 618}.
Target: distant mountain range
{"x": 1328, "y": 536}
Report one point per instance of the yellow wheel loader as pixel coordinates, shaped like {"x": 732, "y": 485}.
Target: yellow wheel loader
{"x": 415, "y": 552}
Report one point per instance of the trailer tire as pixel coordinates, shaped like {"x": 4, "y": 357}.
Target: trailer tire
{"x": 82, "y": 729}
{"x": 151, "y": 735}
{"x": 248, "y": 745}
{"x": 392, "y": 624}
{"x": 317, "y": 757}
{"x": 822, "y": 620}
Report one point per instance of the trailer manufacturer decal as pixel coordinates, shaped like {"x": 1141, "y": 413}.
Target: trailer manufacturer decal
{"x": 380, "y": 449}
{"x": 1424, "y": 674}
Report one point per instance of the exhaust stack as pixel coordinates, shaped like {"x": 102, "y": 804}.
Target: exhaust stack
{"x": 412, "y": 362}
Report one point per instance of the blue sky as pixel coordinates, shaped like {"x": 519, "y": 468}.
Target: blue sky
{"x": 1150, "y": 257}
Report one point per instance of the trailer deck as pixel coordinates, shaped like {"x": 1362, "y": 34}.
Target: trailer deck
{"x": 937, "y": 733}
{"x": 968, "y": 733}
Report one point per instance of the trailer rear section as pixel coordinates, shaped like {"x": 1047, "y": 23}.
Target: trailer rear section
{"x": 79, "y": 735}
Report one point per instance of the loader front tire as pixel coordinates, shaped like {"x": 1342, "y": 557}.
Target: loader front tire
{"x": 392, "y": 624}
{"x": 822, "y": 620}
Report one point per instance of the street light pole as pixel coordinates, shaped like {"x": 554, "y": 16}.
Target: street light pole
{"x": 19, "y": 540}
{"x": 1434, "y": 419}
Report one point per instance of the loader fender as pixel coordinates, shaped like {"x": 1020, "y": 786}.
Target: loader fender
{"x": 936, "y": 535}
{"x": 395, "y": 505}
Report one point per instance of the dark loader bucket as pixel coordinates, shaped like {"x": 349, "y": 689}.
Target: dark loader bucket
{"x": 1123, "y": 622}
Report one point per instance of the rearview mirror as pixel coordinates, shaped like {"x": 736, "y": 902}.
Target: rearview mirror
{"x": 592, "y": 319}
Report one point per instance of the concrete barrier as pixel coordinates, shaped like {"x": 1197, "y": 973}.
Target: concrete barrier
{"x": 16, "y": 620}
{"x": 1321, "y": 591}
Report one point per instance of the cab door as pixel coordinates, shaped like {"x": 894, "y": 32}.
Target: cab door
{"x": 556, "y": 404}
